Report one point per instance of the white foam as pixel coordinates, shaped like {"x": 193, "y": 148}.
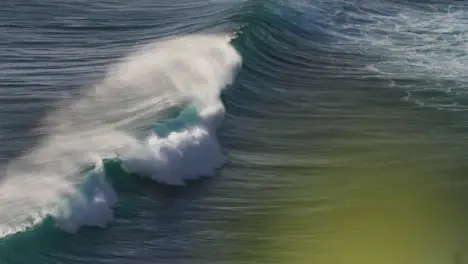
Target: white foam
{"x": 191, "y": 153}
{"x": 421, "y": 44}
{"x": 90, "y": 205}
{"x": 104, "y": 121}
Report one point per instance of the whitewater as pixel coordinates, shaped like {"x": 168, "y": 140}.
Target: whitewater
{"x": 64, "y": 175}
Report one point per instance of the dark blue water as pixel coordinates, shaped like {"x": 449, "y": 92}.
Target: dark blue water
{"x": 286, "y": 131}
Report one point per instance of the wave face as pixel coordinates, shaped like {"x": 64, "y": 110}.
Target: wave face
{"x": 67, "y": 163}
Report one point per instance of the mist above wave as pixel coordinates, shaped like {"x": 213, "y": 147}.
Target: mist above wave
{"x": 50, "y": 180}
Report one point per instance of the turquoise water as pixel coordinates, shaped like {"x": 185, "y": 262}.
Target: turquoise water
{"x": 233, "y": 132}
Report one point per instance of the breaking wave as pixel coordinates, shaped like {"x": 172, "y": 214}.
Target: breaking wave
{"x": 65, "y": 177}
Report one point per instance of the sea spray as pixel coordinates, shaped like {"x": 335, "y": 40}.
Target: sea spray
{"x": 103, "y": 124}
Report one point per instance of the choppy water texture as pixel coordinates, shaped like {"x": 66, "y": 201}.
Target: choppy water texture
{"x": 233, "y": 131}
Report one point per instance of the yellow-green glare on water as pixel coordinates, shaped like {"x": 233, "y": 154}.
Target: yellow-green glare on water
{"x": 390, "y": 203}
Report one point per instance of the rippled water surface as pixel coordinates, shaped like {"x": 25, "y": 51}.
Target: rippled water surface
{"x": 233, "y": 131}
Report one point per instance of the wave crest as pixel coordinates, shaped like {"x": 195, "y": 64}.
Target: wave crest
{"x": 64, "y": 176}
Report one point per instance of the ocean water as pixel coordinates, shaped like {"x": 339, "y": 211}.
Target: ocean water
{"x": 234, "y": 131}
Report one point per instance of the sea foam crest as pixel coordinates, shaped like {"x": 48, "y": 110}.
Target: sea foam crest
{"x": 105, "y": 123}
